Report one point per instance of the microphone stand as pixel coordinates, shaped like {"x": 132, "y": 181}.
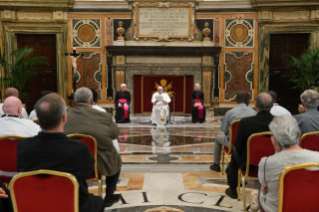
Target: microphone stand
{"x": 172, "y": 122}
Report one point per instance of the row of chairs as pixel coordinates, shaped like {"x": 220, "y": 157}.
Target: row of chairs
{"x": 8, "y": 156}
{"x": 259, "y": 145}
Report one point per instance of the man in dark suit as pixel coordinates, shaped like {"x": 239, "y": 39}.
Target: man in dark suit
{"x": 122, "y": 105}
{"x": 86, "y": 120}
{"x": 247, "y": 127}
{"x": 52, "y": 149}
{"x": 198, "y": 109}
{"x": 5, "y": 200}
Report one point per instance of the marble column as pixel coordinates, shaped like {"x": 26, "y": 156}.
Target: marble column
{"x": 120, "y": 78}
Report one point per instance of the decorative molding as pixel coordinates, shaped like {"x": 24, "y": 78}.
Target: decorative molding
{"x": 218, "y": 5}
{"x": 271, "y": 4}
{"x": 38, "y": 4}
{"x": 101, "y": 5}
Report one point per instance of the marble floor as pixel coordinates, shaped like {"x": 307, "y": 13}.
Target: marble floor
{"x": 166, "y": 169}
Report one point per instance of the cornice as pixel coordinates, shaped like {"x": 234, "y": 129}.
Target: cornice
{"x": 37, "y": 4}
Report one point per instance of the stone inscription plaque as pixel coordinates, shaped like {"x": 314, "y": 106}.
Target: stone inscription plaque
{"x": 155, "y": 21}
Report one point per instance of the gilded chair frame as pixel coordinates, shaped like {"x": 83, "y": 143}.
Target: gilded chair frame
{"x": 306, "y": 135}
{"x": 282, "y": 178}
{"x": 96, "y": 174}
{"x": 13, "y": 137}
{"x": 69, "y": 176}
{"x": 243, "y": 177}
{"x": 224, "y": 153}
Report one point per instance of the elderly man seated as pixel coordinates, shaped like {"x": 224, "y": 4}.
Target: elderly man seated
{"x": 285, "y": 139}
{"x": 13, "y": 92}
{"x": 11, "y": 122}
{"x": 247, "y": 127}
{"x": 86, "y": 120}
{"x": 308, "y": 120}
{"x": 160, "y": 113}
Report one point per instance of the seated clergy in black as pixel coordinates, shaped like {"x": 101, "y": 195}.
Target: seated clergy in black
{"x": 198, "y": 109}
{"x": 122, "y": 105}
{"x": 247, "y": 127}
{"x": 52, "y": 149}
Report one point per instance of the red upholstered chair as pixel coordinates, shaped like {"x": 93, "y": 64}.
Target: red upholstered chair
{"x": 44, "y": 190}
{"x": 226, "y": 151}
{"x": 37, "y": 122}
{"x": 310, "y": 141}
{"x": 259, "y": 145}
{"x": 92, "y": 144}
{"x": 8, "y": 157}
{"x": 298, "y": 188}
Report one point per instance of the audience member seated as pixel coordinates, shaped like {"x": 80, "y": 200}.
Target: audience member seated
{"x": 12, "y": 92}
{"x": 95, "y": 99}
{"x": 83, "y": 119}
{"x": 240, "y": 111}
{"x": 11, "y": 122}
{"x": 52, "y": 149}
{"x": 285, "y": 139}
{"x": 277, "y": 110}
{"x": 33, "y": 114}
{"x": 5, "y": 201}
{"x": 308, "y": 120}
{"x": 247, "y": 127}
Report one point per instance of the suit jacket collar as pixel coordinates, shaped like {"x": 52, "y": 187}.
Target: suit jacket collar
{"x": 56, "y": 135}
{"x": 264, "y": 113}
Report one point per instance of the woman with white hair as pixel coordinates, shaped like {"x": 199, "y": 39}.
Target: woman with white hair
{"x": 286, "y": 134}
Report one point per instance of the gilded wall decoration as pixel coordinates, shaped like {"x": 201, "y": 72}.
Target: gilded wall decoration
{"x": 90, "y": 69}
{"x": 200, "y": 25}
{"x": 126, "y": 25}
{"x": 239, "y": 33}
{"x": 239, "y": 74}
{"x": 86, "y": 33}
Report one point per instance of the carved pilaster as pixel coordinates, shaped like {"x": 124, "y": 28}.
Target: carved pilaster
{"x": 119, "y": 75}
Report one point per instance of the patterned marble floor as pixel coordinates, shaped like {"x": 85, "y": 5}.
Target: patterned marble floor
{"x": 166, "y": 169}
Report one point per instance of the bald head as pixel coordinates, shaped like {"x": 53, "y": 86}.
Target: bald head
{"x": 11, "y": 92}
{"x": 12, "y": 105}
{"x": 264, "y": 102}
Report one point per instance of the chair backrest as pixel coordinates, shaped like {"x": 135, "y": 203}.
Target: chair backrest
{"x": 90, "y": 141}
{"x": 298, "y": 188}
{"x": 44, "y": 190}
{"x": 8, "y": 157}
{"x": 310, "y": 141}
{"x": 233, "y": 129}
{"x": 259, "y": 145}
{"x": 37, "y": 122}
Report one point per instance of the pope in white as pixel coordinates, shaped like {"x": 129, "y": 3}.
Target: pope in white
{"x": 160, "y": 112}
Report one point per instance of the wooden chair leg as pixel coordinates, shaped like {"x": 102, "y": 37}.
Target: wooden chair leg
{"x": 223, "y": 160}
{"x": 238, "y": 186}
{"x": 244, "y": 192}
{"x": 100, "y": 186}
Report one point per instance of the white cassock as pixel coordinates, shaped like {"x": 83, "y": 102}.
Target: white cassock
{"x": 24, "y": 112}
{"x": 160, "y": 112}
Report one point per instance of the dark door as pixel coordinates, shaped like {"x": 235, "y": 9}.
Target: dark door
{"x": 46, "y": 78}
{"x": 280, "y": 45}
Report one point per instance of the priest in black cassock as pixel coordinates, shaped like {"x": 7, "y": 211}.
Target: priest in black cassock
{"x": 122, "y": 105}
{"x": 198, "y": 109}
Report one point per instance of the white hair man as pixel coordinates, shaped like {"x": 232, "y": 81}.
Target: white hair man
{"x": 198, "y": 109}
{"x": 13, "y": 92}
{"x": 11, "y": 122}
{"x": 285, "y": 140}
{"x": 86, "y": 120}
{"x": 309, "y": 120}
{"x": 122, "y": 105}
{"x": 160, "y": 113}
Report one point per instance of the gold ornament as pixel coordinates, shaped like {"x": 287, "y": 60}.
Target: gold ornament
{"x": 120, "y": 30}
{"x": 206, "y": 32}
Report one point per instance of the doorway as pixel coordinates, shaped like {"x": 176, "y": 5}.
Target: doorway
{"x": 46, "y": 78}
{"x": 280, "y": 45}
